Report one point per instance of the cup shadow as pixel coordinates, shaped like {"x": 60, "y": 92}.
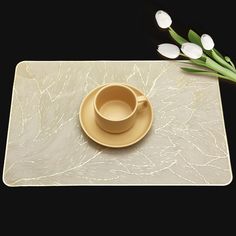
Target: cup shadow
{"x": 116, "y": 151}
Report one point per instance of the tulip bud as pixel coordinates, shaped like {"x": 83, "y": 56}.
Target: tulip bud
{"x": 163, "y": 19}
{"x": 207, "y": 42}
{"x": 168, "y": 50}
{"x": 192, "y": 50}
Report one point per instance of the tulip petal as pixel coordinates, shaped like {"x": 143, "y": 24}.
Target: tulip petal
{"x": 195, "y": 38}
{"x": 207, "y": 42}
{"x": 163, "y": 19}
{"x": 192, "y": 50}
{"x": 168, "y": 50}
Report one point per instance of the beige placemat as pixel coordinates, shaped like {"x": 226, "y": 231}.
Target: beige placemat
{"x": 187, "y": 144}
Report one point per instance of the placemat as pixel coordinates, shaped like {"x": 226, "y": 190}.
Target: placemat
{"x": 46, "y": 146}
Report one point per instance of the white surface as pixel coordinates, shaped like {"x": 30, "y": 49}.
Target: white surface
{"x": 186, "y": 145}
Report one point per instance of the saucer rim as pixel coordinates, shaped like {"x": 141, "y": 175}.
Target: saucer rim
{"x": 108, "y": 145}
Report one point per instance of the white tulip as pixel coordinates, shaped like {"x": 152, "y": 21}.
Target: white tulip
{"x": 163, "y": 19}
{"x": 192, "y": 50}
{"x": 207, "y": 42}
{"x": 168, "y": 50}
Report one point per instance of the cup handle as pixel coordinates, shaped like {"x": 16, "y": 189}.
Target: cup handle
{"x": 142, "y": 102}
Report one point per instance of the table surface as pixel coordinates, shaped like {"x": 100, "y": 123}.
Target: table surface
{"x": 186, "y": 145}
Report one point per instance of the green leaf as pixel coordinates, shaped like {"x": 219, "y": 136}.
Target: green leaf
{"x": 186, "y": 63}
{"x": 194, "y": 38}
{"x": 198, "y": 66}
{"x": 187, "y": 69}
{"x": 179, "y": 39}
{"x": 199, "y": 62}
{"x": 202, "y": 72}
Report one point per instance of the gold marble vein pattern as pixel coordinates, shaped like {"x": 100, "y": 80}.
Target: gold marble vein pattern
{"x": 186, "y": 145}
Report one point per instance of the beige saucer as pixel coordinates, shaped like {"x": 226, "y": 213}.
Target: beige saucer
{"x": 136, "y": 133}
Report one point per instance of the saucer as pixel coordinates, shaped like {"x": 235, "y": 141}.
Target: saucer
{"x": 136, "y": 133}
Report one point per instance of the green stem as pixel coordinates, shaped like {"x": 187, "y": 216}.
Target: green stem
{"x": 221, "y": 61}
{"x": 181, "y": 54}
{"x": 220, "y": 69}
{"x": 179, "y": 39}
{"x": 207, "y": 73}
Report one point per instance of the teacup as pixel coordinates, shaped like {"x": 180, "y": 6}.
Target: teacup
{"x": 116, "y": 107}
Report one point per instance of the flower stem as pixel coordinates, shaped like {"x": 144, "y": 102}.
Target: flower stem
{"x": 181, "y": 54}
{"x": 222, "y": 61}
{"x": 232, "y": 64}
{"x": 220, "y": 69}
{"x": 179, "y": 39}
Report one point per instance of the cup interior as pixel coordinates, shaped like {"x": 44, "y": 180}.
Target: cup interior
{"x": 115, "y": 102}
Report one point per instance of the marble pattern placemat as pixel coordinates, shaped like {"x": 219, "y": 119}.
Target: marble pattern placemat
{"x": 186, "y": 145}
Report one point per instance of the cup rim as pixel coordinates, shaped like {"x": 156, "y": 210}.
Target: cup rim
{"x": 120, "y": 85}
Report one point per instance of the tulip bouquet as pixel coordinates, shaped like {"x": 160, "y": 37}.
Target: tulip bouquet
{"x": 200, "y": 51}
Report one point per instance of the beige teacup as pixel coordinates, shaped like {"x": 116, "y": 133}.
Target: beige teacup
{"x": 116, "y": 107}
